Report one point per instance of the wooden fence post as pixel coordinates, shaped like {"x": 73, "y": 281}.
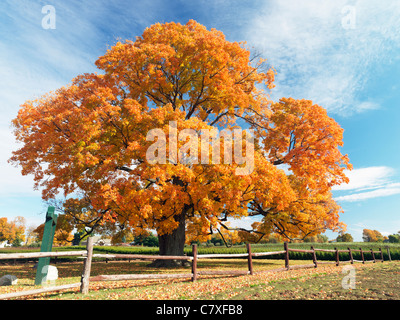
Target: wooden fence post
{"x": 373, "y": 256}
{"x": 362, "y": 256}
{"x": 314, "y": 257}
{"x": 194, "y": 262}
{"x": 337, "y": 256}
{"x": 286, "y": 248}
{"x": 249, "y": 259}
{"x": 388, "y": 251}
{"x": 380, "y": 250}
{"x": 351, "y": 256}
{"x": 87, "y": 266}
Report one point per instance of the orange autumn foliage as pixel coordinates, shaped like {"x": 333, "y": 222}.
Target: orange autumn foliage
{"x": 91, "y": 136}
{"x": 12, "y": 230}
{"x": 63, "y": 233}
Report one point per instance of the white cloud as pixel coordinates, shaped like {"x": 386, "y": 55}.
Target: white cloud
{"x": 34, "y": 61}
{"x": 366, "y": 178}
{"x": 317, "y": 58}
{"x": 376, "y": 179}
{"x": 385, "y": 191}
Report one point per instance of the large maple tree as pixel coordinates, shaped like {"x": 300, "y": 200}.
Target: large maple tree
{"x": 92, "y": 137}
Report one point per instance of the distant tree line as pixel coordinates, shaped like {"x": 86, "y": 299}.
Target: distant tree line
{"x": 15, "y": 233}
{"x": 394, "y": 238}
{"x": 370, "y": 236}
{"x": 376, "y": 236}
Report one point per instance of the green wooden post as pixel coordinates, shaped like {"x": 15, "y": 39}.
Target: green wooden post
{"x": 47, "y": 243}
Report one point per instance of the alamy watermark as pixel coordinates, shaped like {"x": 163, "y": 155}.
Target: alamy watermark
{"x": 204, "y": 139}
{"x": 349, "y": 19}
{"x": 349, "y": 280}
{"x": 49, "y": 20}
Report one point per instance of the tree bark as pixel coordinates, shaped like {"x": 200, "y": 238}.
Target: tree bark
{"x": 172, "y": 244}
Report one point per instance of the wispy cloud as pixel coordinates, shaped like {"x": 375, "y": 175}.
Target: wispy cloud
{"x": 366, "y": 178}
{"x": 377, "y": 180}
{"x": 34, "y": 60}
{"x": 385, "y": 191}
{"x": 317, "y": 56}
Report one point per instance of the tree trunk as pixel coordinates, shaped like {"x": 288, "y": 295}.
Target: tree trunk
{"x": 172, "y": 244}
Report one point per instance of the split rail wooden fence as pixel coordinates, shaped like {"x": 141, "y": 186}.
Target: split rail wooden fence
{"x": 88, "y": 255}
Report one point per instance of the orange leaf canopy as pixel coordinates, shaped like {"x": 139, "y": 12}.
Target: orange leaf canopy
{"x": 92, "y": 137}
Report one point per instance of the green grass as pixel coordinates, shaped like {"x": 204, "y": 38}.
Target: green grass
{"x": 376, "y": 282}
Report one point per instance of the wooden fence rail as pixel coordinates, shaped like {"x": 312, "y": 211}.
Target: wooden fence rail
{"x": 141, "y": 257}
{"x": 31, "y": 255}
{"x": 88, "y": 255}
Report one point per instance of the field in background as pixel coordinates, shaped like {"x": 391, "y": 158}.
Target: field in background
{"x": 366, "y": 246}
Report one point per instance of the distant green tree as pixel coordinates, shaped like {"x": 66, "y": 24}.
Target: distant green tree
{"x": 394, "y": 238}
{"x": 217, "y": 241}
{"x": 147, "y": 240}
{"x": 310, "y": 239}
{"x": 77, "y": 238}
{"x": 17, "y": 242}
{"x": 321, "y": 238}
{"x": 344, "y": 237}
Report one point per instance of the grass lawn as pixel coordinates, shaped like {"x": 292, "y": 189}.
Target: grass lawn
{"x": 374, "y": 281}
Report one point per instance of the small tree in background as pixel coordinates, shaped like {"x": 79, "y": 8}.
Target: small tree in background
{"x": 147, "y": 240}
{"x": 12, "y": 231}
{"x": 345, "y": 237}
{"x": 372, "y": 236}
{"x": 394, "y": 238}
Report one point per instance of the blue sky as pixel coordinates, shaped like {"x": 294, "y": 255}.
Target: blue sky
{"x": 343, "y": 55}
